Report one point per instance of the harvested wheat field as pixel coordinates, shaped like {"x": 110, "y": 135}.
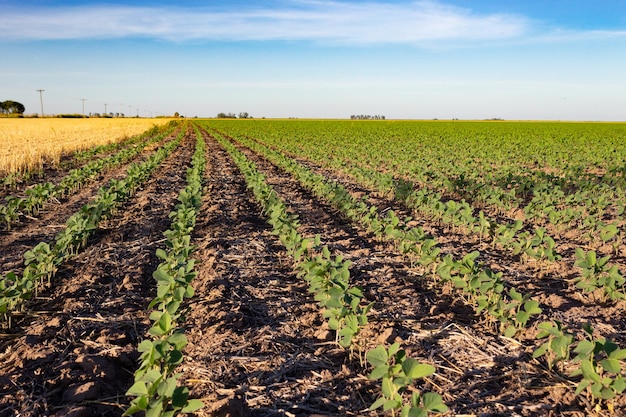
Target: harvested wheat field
{"x": 33, "y": 144}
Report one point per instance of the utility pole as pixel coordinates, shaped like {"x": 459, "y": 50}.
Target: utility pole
{"x": 129, "y": 112}
{"x": 41, "y": 100}
{"x": 83, "y": 100}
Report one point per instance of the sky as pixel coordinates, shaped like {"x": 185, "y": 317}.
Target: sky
{"x": 465, "y": 59}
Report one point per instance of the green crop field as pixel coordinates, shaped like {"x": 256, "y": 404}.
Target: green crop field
{"x": 321, "y": 267}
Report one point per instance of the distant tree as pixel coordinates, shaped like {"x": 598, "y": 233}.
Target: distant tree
{"x": 177, "y": 115}
{"x": 12, "y": 107}
{"x": 226, "y": 116}
{"x": 243, "y": 115}
{"x": 367, "y": 117}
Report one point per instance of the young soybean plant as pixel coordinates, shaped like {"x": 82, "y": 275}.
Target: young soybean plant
{"x": 599, "y": 274}
{"x": 556, "y": 348}
{"x": 601, "y": 367}
{"x": 398, "y": 372}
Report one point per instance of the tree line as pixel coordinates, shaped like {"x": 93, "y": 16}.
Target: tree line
{"x": 242, "y": 115}
{"x": 367, "y": 117}
{"x": 11, "y": 107}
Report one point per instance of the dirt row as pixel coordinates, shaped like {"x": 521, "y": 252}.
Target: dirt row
{"x": 479, "y": 372}
{"x": 51, "y": 219}
{"x": 257, "y": 342}
{"x": 549, "y": 283}
{"x": 75, "y": 352}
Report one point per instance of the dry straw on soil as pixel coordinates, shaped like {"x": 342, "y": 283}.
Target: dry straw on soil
{"x": 28, "y": 144}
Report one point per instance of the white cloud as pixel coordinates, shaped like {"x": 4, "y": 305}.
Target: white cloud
{"x": 317, "y": 21}
{"x": 561, "y": 35}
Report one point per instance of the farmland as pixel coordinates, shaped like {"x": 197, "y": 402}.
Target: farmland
{"x": 272, "y": 267}
{"x": 33, "y": 144}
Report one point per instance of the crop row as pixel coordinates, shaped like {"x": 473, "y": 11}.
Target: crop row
{"x": 42, "y": 261}
{"x": 442, "y": 166}
{"x": 604, "y": 279}
{"x": 328, "y": 277}
{"x": 606, "y": 283}
{"x": 600, "y": 368}
{"x": 482, "y": 287}
{"x": 156, "y": 388}
{"x": 38, "y": 195}
{"x": 329, "y": 281}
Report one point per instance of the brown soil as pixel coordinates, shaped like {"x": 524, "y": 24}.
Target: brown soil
{"x": 258, "y": 344}
{"x": 51, "y": 218}
{"x": 75, "y": 352}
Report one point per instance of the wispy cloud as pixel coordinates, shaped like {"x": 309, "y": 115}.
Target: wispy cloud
{"x": 426, "y": 23}
{"x": 316, "y": 21}
{"x": 565, "y": 35}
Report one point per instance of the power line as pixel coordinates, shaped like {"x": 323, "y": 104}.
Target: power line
{"x": 41, "y": 100}
{"x": 83, "y": 100}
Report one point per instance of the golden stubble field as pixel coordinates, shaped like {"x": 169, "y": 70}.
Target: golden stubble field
{"x": 27, "y": 144}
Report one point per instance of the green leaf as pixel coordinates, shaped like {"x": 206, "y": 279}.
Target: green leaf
{"x": 378, "y": 356}
{"x": 515, "y": 295}
{"x": 611, "y": 365}
{"x": 589, "y": 371}
{"x": 165, "y": 322}
{"x": 379, "y": 372}
{"x": 532, "y": 307}
{"x": 156, "y": 411}
{"x": 387, "y": 387}
{"x": 167, "y": 387}
{"x": 606, "y": 393}
{"x": 139, "y": 404}
{"x": 619, "y": 384}
{"x": 156, "y": 330}
{"x": 378, "y": 403}
{"x": 162, "y": 276}
{"x": 392, "y": 404}
{"x": 522, "y": 317}
{"x": 333, "y": 323}
{"x": 393, "y": 349}
{"x": 585, "y": 348}
{"x": 145, "y": 346}
{"x": 178, "y": 340}
{"x": 345, "y": 339}
{"x": 192, "y": 405}
{"x": 591, "y": 258}
{"x": 618, "y": 354}
{"x": 414, "y": 369}
{"x": 417, "y": 412}
{"x": 582, "y": 385}
{"x": 175, "y": 358}
{"x": 510, "y": 331}
{"x": 137, "y": 389}
{"x": 179, "y": 397}
{"x": 434, "y": 403}
{"x": 541, "y": 350}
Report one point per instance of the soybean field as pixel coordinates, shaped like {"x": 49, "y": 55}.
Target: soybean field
{"x": 320, "y": 268}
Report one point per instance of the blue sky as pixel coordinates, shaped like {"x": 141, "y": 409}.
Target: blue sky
{"x": 468, "y": 59}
